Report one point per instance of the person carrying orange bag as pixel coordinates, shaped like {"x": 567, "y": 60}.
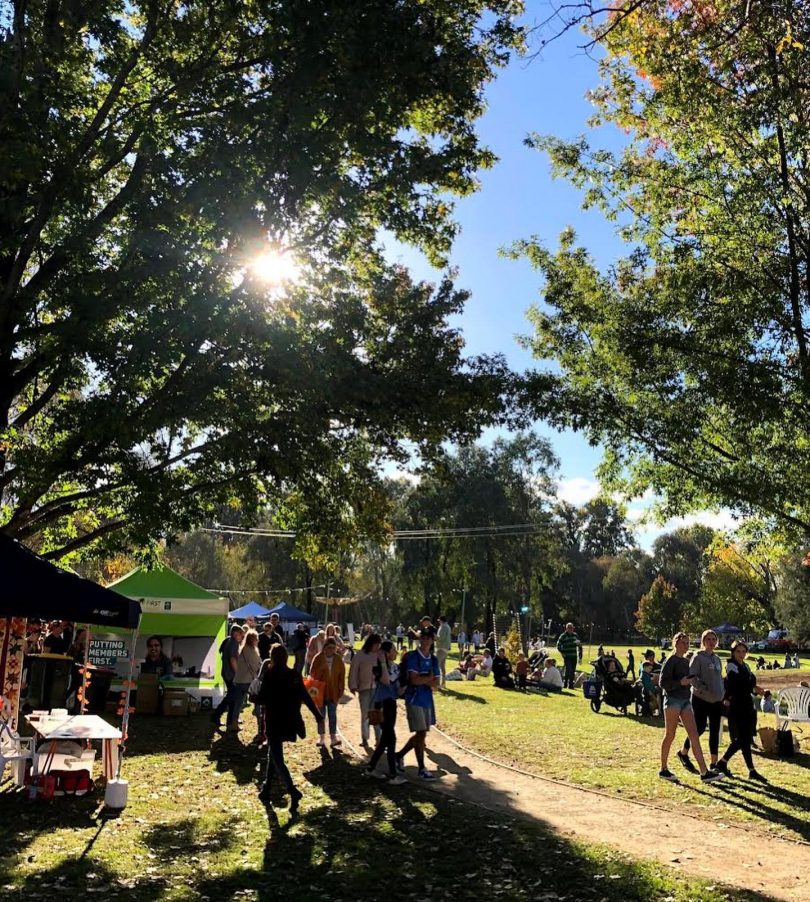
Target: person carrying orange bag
{"x": 328, "y": 668}
{"x": 316, "y": 690}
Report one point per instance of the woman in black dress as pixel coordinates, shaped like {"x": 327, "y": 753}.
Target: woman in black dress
{"x": 741, "y": 684}
{"x": 281, "y": 695}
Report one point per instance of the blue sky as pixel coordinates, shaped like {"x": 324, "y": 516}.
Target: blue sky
{"x": 518, "y": 199}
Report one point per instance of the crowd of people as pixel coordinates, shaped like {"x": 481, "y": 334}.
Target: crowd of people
{"x": 283, "y": 673}
{"x": 256, "y": 665}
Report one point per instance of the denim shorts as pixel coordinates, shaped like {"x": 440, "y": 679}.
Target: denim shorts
{"x": 677, "y": 704}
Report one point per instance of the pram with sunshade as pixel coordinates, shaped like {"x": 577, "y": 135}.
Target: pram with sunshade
{"x": 616, "y": 690}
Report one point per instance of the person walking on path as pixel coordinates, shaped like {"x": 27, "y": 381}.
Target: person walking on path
{"x": 741, "y": 684}
{"x": 567, "y": 646}
{"x": 631, "y": 665}
{"x": 315, "y": 645}
{"x": 332, "y": 632}
{"x": 444, "y": 643}
{"x": 328, "y": 668}
{"x": 298, "y": 646}
{"x": 281, "y": 695}
{"x": 361, "y": 681}
{"x": 476, "y": 640}
{"x": 422, "y": 670}
{"x": 706, "y": 674}
{"x": 677, "y": 687}
{"x": 400, "y": 635}
{"x": 248, "y": 665}
{"x": 229, "y": 652}
{"x": 385, "y": 700}
{"x": 271, "y": 635}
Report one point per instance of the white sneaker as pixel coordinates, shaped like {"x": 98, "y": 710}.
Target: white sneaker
{"x": 398, "y": 780}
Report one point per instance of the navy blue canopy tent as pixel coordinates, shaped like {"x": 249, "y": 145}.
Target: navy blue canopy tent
{"x": 31, "y": 587}
{"x": 286, "y": 612}
{"x": 251, "y": 609}
{"x": 726, "y": 628}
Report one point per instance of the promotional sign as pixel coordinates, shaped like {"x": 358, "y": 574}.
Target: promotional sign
{"x": 107, "y": 652}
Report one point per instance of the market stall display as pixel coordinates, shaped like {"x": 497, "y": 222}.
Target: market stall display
{"x": 189, "y": 622}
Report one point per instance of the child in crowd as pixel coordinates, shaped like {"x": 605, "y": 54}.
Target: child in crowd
{"x": 521, "y": 671}
{"x": 768, "y": 705}
{"x": 651, "y": 691}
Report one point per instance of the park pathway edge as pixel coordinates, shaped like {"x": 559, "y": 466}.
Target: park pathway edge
{"x": 777, "y": 868}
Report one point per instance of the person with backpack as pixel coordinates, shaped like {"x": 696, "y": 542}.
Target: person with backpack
{"x": 422, "y": 674}
{"x": 281, "y": 695}
{"x": 386, "y": 694}
{"x": 229, "y": 653}
{"x": 741, "y": 686}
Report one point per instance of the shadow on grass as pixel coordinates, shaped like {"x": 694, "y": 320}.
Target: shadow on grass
{"x": 462, "y": 696}
{"x": 351, "y": 838}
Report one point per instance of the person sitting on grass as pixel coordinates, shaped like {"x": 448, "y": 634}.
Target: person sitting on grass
{"x": 502, "y": 670}
{"x": 551, "y": 677}
{"x": 484, "y": 669}
{"x": 768, "y": 706}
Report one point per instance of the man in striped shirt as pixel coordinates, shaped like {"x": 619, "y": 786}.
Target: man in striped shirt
{"x": 567, "y": 646}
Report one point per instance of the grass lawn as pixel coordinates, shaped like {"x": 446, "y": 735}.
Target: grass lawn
{"x": 195, "y": 830}
{"x": 557, "y": 735}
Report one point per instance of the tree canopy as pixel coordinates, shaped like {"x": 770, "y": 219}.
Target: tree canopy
{"x": 149, "y": 152}
{"x": 688, "y": 358}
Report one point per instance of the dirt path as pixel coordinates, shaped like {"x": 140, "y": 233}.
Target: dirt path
{"x": 777, "y": 868}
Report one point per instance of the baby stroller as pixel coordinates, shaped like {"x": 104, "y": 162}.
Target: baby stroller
{"x": 609, "y": 685}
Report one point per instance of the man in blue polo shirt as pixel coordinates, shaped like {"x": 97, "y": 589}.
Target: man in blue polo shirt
{"x": 422, "y": 668}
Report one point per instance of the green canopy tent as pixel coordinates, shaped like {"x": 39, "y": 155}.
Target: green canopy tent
{"x": 190, "y": 621}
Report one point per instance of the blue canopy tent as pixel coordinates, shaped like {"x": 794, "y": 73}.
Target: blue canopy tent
{"x": 251, "y": 609}
{"x": 727, "y": 628}
{"x": 286, "y": 612}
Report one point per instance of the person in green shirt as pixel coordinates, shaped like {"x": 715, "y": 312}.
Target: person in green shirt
{"x": 568, "y": 645}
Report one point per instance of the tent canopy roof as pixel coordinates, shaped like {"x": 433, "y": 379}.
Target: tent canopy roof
{"x": 162, "y": 582}
{"x": 251, "y": 609}
{"x": 727, "y": 628}
{"x": 288, "y": 612}
{"x": 34, "y": 587}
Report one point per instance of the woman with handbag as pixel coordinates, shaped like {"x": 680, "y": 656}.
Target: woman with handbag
{"x": 362, "y": 683}
{"x": 248, "y": 665}
{"x": 329, "y": 669}
{"x": 384, "y": 713}
{"x": 281, "y": 695}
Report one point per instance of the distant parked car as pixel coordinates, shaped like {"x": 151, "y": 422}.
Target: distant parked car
{"x": 778, "y": 640}
{"x": 759, "y": 645}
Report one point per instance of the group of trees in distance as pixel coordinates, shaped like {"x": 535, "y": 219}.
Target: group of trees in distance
{"x": 487, "y": 535}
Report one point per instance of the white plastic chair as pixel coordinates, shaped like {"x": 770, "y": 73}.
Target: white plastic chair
{"x": 796, "y": 700}
{"x": 14, "y": 751}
